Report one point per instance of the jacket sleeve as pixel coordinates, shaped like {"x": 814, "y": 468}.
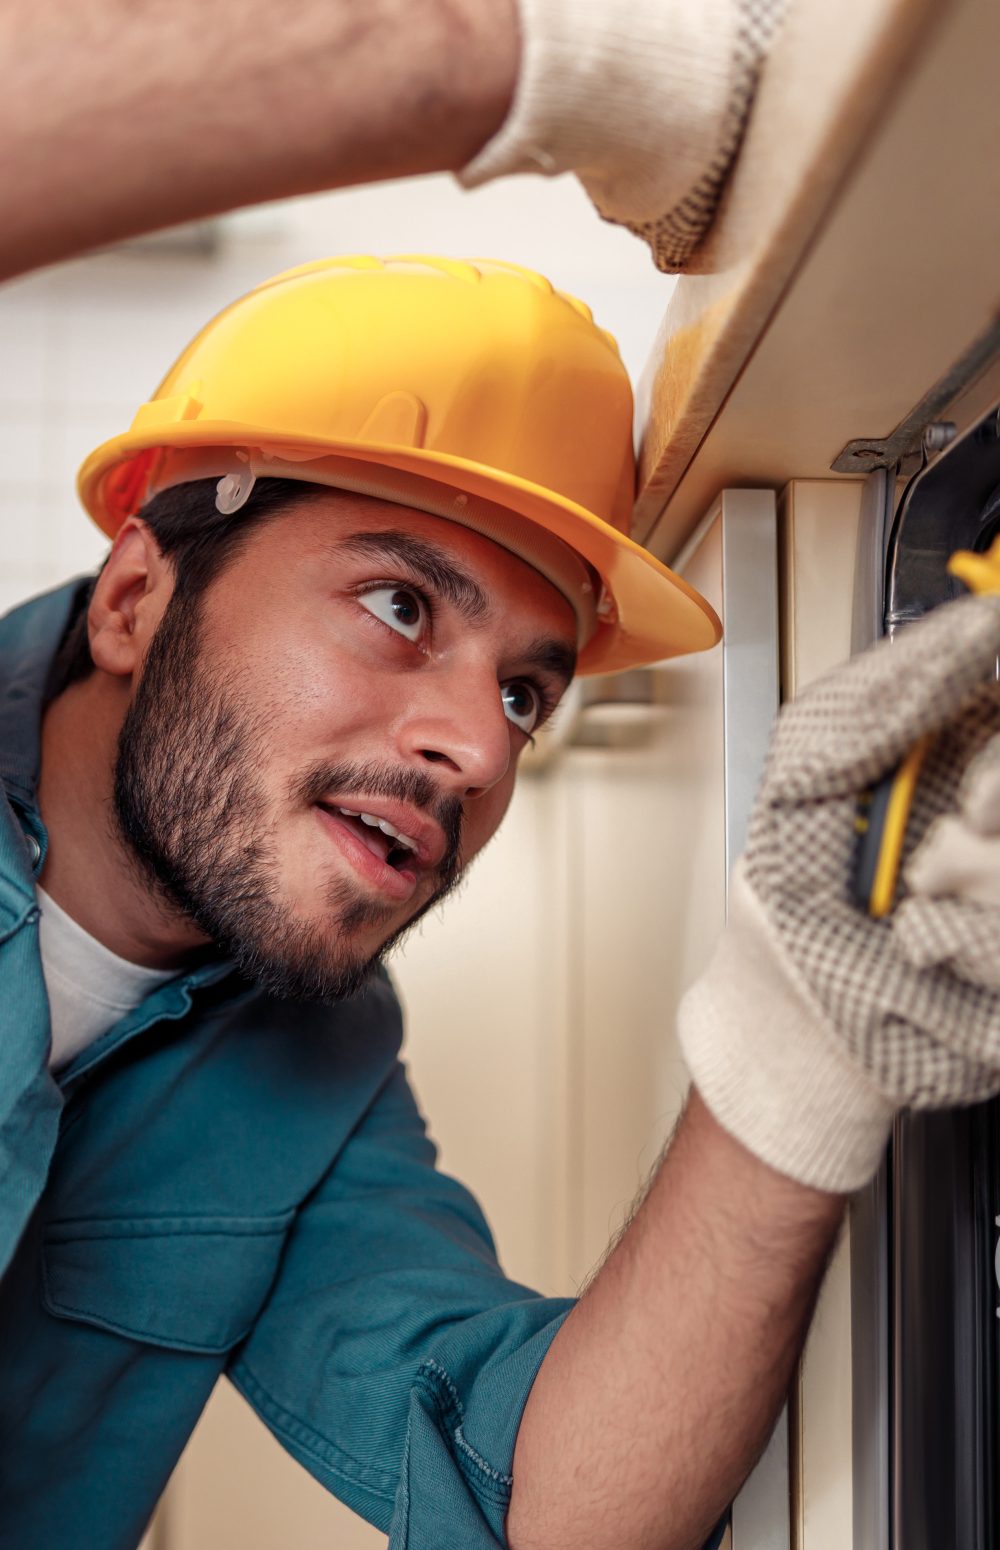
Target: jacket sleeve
{"x": 394, "y": 1358}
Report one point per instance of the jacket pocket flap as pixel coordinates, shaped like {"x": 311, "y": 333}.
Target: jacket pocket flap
{"x": 190, "y": 1283}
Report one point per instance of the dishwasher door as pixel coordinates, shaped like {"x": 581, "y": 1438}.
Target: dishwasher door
{"x": 924, "y": 1236}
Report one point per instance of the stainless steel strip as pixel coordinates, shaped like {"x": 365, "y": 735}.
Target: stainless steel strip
{"x": 749, "y": 650}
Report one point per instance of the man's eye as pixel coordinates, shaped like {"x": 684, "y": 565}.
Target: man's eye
{"x": 402, "y": 609}
{"x": 522, "y": 704}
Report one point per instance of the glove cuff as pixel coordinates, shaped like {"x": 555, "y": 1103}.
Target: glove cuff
{"x": 633, "y": 98}
{"x": 767, "y": 1064}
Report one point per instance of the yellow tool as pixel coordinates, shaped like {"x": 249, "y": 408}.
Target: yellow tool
{"x": 884, "y": 811}
{"x": 980, "y": 572}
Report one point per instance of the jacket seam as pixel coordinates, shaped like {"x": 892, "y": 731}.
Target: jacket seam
{"x": 318, "y": 1447}
{"x": 451, "y": 1413}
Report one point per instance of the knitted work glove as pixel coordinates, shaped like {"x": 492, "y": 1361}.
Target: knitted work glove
{"x": 646, "y": 102}
{"x": 814, "y": 1022}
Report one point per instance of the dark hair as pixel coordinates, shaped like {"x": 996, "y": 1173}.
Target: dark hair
{"x": 200, "y": 542}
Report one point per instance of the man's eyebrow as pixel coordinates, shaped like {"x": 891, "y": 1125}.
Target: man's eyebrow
{"x": 427, "y": 561}
{"x": 550, "y": 655}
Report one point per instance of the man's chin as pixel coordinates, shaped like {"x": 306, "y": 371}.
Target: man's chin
{"x": 335, "y": 957}
{"x": 304, "y": 975}
{"x": 325, "y": 956}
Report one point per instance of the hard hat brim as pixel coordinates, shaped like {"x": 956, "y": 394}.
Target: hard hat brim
{"x": 655, "y": 613}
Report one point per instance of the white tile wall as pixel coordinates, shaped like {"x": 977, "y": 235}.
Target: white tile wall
{"x": 83, "y": 344}
{"x": 23, "y": 319}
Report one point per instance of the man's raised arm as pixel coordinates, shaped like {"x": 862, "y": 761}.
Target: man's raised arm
{"x": 120, "y": 117}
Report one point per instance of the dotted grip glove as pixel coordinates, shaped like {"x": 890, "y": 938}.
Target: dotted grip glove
{"x": 814, "y": 1022}
{"x": 646, "y": 102}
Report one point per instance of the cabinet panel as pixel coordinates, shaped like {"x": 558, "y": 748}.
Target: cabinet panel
{"x": 819, "y": 536}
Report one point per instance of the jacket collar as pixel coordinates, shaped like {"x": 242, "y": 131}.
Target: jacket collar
{"x": 29, "y": 638}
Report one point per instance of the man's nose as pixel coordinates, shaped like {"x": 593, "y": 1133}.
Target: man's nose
{"x": 455, "y": 720}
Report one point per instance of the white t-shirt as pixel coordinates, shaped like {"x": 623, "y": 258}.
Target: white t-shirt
{"x": 89, "y": 986}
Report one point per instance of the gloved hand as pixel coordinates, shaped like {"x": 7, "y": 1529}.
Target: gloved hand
{"x": 646, "y": 102}
{"x": 815, "y": 1023}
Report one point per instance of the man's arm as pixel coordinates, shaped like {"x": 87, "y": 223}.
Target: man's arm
{"x": 661, "y": 1388}
{"x": 119, "y": 116}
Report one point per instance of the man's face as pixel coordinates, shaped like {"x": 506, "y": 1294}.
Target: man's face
{"x": 355, "y": 658}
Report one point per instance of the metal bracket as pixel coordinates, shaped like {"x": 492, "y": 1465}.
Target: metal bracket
{"x": 921, "y": 429}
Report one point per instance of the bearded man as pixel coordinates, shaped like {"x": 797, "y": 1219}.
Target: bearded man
{"x": 363, "y": 534}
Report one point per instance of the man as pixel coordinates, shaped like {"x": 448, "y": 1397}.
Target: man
{"x": 362, "y": 532}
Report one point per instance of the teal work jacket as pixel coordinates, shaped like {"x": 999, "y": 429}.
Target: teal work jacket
{"x": 228, "y": 1183}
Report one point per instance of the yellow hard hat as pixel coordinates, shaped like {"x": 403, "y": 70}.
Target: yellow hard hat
{"x": 471, "y": 390}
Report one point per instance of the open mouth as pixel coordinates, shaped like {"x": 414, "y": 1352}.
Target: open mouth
{"x": 379, "y": 836}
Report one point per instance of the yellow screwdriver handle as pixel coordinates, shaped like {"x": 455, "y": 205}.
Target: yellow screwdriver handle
{"x": 884, "y": 841}
{"x": 980, "y": 572}
{"x": 890, "y": 852}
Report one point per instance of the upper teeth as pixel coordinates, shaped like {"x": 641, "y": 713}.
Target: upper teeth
{"x": 380, "y": 823}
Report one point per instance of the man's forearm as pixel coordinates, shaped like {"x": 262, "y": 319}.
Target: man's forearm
{"x": 660, "y": 1389}
{"x": 123, "y": 115}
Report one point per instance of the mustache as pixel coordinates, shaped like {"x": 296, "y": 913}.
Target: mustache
{"x": 396, "y": 784}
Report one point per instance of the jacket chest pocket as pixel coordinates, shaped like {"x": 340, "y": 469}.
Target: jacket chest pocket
{"x": 188, "y": 1283}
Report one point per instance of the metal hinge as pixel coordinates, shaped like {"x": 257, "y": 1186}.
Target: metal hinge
{"x": 923, "y": 430}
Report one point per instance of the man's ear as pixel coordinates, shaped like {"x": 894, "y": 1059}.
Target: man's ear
{"x": 129, "y": 599}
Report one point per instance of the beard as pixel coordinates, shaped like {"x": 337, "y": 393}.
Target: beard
{"x": 193, "y": 814}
